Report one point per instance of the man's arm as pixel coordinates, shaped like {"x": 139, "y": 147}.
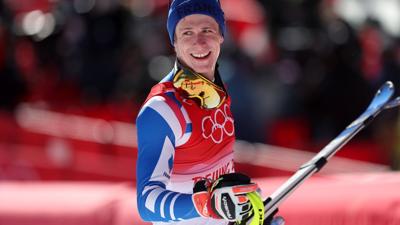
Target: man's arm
{"x": 158, "y": 130}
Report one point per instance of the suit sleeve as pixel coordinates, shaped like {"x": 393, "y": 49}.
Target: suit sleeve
{"x": 158, "y": 130}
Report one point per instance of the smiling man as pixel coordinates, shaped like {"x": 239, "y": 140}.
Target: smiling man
{"x": 185, "y": 169}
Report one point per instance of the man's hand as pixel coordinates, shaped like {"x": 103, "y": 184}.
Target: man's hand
{"x": 226, "y": 198}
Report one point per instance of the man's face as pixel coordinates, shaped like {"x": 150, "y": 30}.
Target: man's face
{"x": 197, "y": 43}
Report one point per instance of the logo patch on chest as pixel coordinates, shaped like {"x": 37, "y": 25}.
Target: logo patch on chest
{"x": 217, "y": 125}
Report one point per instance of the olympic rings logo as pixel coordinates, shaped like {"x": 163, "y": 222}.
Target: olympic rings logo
{"x": 215, "y": 127}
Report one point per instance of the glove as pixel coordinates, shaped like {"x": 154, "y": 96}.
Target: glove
{"x": 226, "y": 198}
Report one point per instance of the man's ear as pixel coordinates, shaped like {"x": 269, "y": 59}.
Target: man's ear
{"x": 221, "y": 39}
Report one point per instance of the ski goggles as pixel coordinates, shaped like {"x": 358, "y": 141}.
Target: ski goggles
{"x": 195, "y": 86}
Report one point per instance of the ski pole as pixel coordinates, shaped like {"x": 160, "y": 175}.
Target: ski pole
{"x": 381, "y": 101}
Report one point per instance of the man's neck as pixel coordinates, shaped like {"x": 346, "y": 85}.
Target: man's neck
{"x": 179, "y": 64}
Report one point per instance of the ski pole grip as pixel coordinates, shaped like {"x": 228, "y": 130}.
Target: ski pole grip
{"x": 268, "y": 220}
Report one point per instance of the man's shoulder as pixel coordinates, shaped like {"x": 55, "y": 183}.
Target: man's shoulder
{"x": 163, "y": 103}
{"x": 162, "y": 93}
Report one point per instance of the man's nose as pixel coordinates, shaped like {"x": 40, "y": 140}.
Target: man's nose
{"x": 199, "y": 39}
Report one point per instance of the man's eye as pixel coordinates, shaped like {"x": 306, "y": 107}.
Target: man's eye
{"x": 209, "y": 31}
{"x": 186, "y": 33}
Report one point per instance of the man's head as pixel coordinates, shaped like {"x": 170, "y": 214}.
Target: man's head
{"x": 181, "y": 8}
{"x": 196, "y": 29}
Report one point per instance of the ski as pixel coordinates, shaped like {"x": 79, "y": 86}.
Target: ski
{"x": 381, "y": 101}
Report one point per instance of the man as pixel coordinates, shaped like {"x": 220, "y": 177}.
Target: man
{"x": 185, "y": 171}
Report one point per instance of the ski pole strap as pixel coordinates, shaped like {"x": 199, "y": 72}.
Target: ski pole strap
{"x": 258, "y": 208}
{"x": 258, "y": 215}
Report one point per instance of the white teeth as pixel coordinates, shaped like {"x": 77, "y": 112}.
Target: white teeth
{"x": 200, "y": 55}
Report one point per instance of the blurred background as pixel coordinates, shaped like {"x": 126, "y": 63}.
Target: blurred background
{"x": 74, "y": 73}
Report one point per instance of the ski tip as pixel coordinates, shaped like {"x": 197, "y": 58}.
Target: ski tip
{"x": 382, "y": 96}
{"x": 389, "y": 84}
